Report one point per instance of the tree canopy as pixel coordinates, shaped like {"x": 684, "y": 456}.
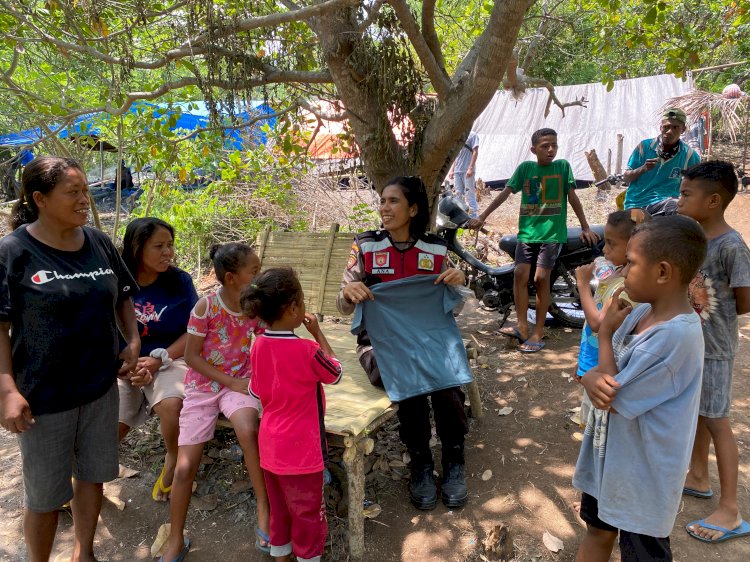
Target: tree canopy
{"x": 409, "y": 77}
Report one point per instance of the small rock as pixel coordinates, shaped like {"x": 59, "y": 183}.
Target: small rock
{"x": 372, "y": 511}
{"x": 483, "y": 360}
{"x": 486, "y": 475}
{"x": 240, "y": 486}
{"x": 206, "y": 503}
{"x": 521, "y": 379}
{"x": 504, "y": 411}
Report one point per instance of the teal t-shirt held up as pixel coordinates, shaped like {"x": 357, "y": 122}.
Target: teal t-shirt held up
{"x": 414, "y": 336}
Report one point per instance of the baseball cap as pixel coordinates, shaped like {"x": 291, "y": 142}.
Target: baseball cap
{"x": 675, "y": 113}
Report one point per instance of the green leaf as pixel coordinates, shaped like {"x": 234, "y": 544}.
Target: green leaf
{"x": 650, "y": 17}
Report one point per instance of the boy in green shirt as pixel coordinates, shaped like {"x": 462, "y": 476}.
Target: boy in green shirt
{"x": 546, "y": 187}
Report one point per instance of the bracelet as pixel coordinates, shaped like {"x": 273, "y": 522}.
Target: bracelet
{"x": 161, "y": 353}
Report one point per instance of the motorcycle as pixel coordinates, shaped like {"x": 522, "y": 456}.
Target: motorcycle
{"x": 493, "y": 286}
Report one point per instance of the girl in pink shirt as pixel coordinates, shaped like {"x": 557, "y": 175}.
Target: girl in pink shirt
{"x": 217, "y": 351}
{"x": 288, "y": 372}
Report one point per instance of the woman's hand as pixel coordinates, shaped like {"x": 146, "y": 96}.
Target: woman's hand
{"x": 140, "y": 377}
{"x": 129, "y": 356}
{"x": 15, "y": 413}
{"x": 240, "y": 385}
{"x": 451, "y": 276}
{"x": 357, "y": 292}
{"x": 153, "y": 364}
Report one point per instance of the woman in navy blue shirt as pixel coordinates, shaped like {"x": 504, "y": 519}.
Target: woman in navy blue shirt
{"x": 162, "y": 307}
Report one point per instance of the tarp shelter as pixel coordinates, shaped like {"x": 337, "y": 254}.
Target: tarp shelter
{"x": 632, "y": 108}
{"x": 193, "y": 115}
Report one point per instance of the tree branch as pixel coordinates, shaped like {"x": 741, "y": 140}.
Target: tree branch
{"x": 372, "y": 14}
{"x": 270, "y": 21}
{"x": 438, "y": 77}
{"x": 429, "y": 33}
{"x": 521, "y": 82}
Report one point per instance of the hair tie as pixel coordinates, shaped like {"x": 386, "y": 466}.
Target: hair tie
{"x": 253, "y": 285}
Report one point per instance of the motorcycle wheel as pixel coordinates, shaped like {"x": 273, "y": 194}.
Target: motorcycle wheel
{"x": 566, "y": 302}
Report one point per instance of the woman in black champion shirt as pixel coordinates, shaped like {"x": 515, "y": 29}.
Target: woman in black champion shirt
{"x": 63, "y": 291}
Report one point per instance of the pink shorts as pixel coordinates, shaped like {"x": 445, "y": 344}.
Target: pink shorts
{"x": 200, "y": 410}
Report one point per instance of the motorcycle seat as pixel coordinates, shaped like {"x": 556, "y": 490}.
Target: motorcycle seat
{"x": 508, "y": 243}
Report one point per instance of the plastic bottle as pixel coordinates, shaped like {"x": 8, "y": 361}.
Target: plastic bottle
{"x": 603, "y": 268}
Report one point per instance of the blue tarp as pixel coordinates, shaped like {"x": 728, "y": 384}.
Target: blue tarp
{"x": 193, "y": 115}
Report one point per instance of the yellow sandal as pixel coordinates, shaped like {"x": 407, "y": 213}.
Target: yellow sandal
{"x": 160, "y": 488}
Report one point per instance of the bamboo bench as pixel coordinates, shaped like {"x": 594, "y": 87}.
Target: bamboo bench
{"x": 355, "y": 408}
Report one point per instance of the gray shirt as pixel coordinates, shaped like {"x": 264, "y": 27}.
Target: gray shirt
{"x": 634, "y": 461}
{"x": 464, "y": 155}
{"x": 726, "y": 267}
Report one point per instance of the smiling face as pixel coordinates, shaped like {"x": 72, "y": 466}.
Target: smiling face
{"x": 67, "y": 204}
{"x": 248, "y": 271}
{"x": 545, "y": 150}
{"x": 396, "y": 213}
{"x": 158, "y": 252}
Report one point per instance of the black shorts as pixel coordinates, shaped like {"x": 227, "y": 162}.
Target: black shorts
{"x": 633, "y": 546}
{"x": 545, "y": 254}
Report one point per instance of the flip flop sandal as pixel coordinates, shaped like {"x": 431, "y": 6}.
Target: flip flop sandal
{"x": 698, "y": 493}
{"x": 742, "y": 530}
{"x": 183, "y": 553}
{"x": 261, "y": 536}
{"x": 533, "y": 346}
{"x": 512, "y": 333}
{"x": 159, "y": 487}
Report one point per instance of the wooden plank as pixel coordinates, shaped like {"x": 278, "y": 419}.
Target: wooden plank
{"x": 263, "y": 239}
{"x": 324, "y": 269}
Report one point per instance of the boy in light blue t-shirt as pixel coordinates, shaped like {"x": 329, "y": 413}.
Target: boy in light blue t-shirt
{"x": 645, "y": 391}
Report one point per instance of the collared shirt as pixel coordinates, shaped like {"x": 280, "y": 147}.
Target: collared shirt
{"x": 663, "y": 181}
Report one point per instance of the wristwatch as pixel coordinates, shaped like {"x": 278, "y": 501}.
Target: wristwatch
{"x": 161, "y": 353}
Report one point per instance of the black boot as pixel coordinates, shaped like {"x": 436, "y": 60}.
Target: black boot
{"x": 454, "y": 492}
{"x": 422, "y": 491}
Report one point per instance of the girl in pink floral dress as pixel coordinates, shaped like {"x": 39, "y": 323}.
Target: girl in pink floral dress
{"x": 218, "y": 353}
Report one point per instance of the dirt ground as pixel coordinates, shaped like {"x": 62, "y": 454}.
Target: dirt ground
{"x": 531, "y": 454}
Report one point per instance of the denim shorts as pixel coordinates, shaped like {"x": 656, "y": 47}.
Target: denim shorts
{"x": 81, "y": 443}
{"x": 716, "y": 390}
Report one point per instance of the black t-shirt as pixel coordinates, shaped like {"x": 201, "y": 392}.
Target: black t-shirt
{"x": 61, "y": 307}
{"x": 163, "y": 309}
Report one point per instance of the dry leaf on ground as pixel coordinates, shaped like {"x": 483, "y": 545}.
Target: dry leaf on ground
{"x": 552, "y": 542}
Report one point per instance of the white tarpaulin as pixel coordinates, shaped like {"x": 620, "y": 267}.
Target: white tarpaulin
{"x": 632, "y": 109}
